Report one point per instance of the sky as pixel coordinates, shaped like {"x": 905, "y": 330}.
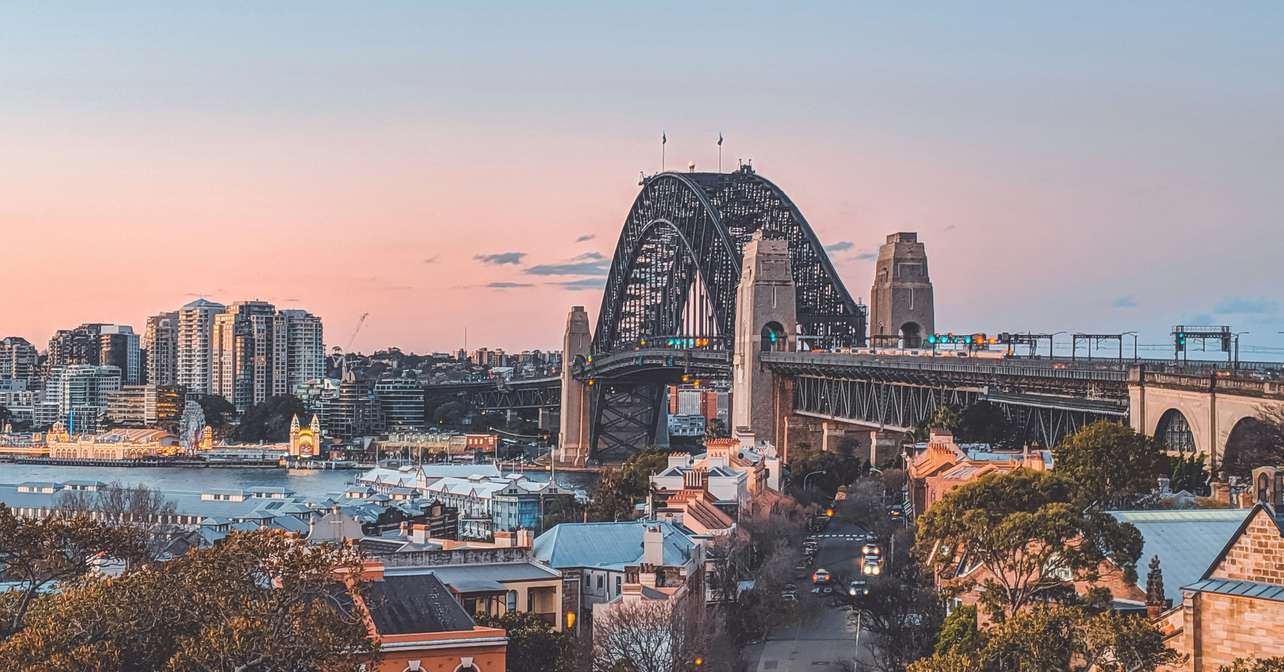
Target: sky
{"x": 1070, "y": 166}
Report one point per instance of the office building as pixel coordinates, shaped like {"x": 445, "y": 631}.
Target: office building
{"x": 80, "y": 392}
{"x": 160, "y": 340}
{"x": 195, "y": 338}
{"x": 402, "y": 400}
{"x": 145, "y": 406}
{"x": 18, "y": 359}
{"x": 118, "y": 346}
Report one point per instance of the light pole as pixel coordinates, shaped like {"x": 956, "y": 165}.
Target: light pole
{"x": 809, "y": 476}
{"x": 1052, "y": 340}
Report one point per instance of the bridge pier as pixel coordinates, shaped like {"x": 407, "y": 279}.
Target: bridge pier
{"x": 573, "y": 434}
{"x": 766, "y": 320}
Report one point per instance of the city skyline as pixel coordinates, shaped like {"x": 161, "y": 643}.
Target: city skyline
{"x": 371, "y": 163}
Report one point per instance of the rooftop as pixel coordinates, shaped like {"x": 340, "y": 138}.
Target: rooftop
{"x": 1186, "y": 541}
{"x": 610, "y": 546}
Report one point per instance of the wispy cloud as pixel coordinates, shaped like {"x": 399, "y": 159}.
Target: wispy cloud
{"x": 589, "y": 263}
{"x": 502, "y": 284}
{"x": 585, "y": 238}
{"x": 951, "y": 227}
{"x": 1126, "y": 301}
{"x": 581, "y": 284}
{"x": 432, "y": 259}
{"x": 868, "y": 255}
{"x": 501, "y": 258}
{"x": 1245, "y": 306}
{"x": 840, "y": 246}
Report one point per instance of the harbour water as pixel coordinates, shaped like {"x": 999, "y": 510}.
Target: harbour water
{"x": 306, "y": 482}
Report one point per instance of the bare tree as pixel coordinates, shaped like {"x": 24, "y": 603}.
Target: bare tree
{"x": 140, "y": 507}
{"x": 644, "y": 636}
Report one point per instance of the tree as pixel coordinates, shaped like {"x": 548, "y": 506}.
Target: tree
{"x": 270, "y": 420}
{"x": 644, "y": 636}
{"x": 533, "y": 644}
{"x": 1023, "y": 528}
{"x": 1155, "y": 584}
{"x": 38, "y": 553}
{"x": 619, "y": 490}
{"x": 1114, "y": 642}
{"x": 1186, "y": 471}
{"x": 1109, "y": 463}
{"x": 903, "y": 619}
{"x": 960, "y": 634}
{"x": 140, "y": 507}
{"x": 256, "y": 601}
{"x": 218, "y": 411}
{"x": 1255, "y": 665}
{"x": 984, "y": 422}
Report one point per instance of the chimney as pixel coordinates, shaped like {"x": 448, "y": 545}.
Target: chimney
{"x": 1165, "y": 486}
{"x": 418, "y": 533}
{"x": 646, "y": 575}
{"x": 525, "y": 539}
{"x": 653, "y": 545}
{"x": 504, "y": 539}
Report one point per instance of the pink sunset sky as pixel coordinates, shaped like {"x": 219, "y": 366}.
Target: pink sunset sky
{"x": 1089, "y": 168}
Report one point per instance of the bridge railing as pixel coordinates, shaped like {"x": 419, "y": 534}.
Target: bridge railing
{"x": 1211, "y": 383}
{"x": 967, "y": 367}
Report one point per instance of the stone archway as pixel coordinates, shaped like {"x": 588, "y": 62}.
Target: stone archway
{"x": 1173, "y": 432}
{"x": 1252, "y": 443}
{"x": 911, "y": 335}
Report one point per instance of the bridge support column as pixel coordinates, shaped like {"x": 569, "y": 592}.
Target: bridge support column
{"x": 573, "y": 437}
{"x": 766, "y": 320}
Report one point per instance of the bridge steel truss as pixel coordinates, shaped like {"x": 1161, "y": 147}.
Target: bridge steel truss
{"x": 674, "y": 273}
{"x": 529, "y": 394}
{"x": 1047, "y": 403}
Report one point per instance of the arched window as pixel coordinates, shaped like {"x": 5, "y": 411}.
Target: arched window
{"x": 773, "y": 337}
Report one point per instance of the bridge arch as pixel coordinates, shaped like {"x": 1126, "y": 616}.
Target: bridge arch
{"x": 677, "y": 263}
{"x": 1173, "y": 432}
{"x": 1251, "y": 443}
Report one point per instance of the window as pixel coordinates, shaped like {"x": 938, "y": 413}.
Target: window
{"x": 512, "y": 600}
{"x": 599, "y": 581}
{"x": 618, "y": 582}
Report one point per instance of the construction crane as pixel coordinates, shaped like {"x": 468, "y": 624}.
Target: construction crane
{"x": 343, "y": 352}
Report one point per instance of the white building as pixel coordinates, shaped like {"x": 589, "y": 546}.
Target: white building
{"x": 305, "y": 347}
{"x": 81, "y": 392}
{"x": 195, "y": 340}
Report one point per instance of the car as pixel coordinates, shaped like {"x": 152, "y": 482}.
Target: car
{"x": 895, "y": 512}
{"x": 871, "y": 549}
{"x": 857, "y": 588}
{"x": 821, "y": 576}
{"x": 872, "y": 566}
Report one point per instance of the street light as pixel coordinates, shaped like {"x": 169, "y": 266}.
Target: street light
{"x": 809, "y": 476}
{"x": 1235, "y": 365}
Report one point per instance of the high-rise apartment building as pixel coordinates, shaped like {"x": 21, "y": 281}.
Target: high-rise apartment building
{"x": 18, "y": 358}
{"x": 68, "y": 347}
{"x": 160, "y": 340}
{"x": 305, "y": 348}
{"x": 118, "y": 347}
{"x": 249, "y": 353}
{"x": 195, "y": 339}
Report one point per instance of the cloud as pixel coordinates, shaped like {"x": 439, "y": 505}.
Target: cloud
{"x": 581, "y": 284}
{"x": 432, "y": 259}
{"x": 501, "y": 258}
{"x": 585, "y": 238}
{"x": 1244, "y": 306}
{"x": 840, "y": 246}
{"x": 951, "y": 227}
{"x": 868, "y": 255}
{"x": 589, "y": 263}
{"x": 1126, "y": 301}
{"x": 502, "y": 284}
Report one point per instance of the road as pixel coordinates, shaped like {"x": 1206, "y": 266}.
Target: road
{"x": 826, "y": 638}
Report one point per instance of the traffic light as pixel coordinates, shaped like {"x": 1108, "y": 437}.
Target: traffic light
{"x": 1181, "y": 341}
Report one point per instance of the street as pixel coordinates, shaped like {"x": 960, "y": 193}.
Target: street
{"x": 826, "y": 638}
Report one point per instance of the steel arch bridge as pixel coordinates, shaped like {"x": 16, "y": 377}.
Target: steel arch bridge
{"x": 673, "y": 278}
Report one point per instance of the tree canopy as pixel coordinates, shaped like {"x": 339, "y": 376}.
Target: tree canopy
{"x": 1109, "y": 463}
{"x": 533, "y": 644}
{"x": 218, "y": 411}
{"x": 1025, "y": 530}
{"x": 270, "y": 420}
{"x": 256, "y": 601}
{"x": 619, "y": 490}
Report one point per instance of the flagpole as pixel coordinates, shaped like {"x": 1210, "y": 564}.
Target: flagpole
{"x": 719, "y": 152}
{"x": 664, "y": 140}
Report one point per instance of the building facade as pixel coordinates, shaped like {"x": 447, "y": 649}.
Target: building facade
{"x": 249, "y": 354}
{"x": 305, "y": 348}
{"x": 18, "y": 359}
{"x": 402, "y": 400}
{"x": 160, "y": 341}
{"x": 118, "y": 346}
{"x": 80, "y": 393}
{"x": 195, "y": 345}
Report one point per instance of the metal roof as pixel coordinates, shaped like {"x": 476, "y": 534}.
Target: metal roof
{"x": 1187, "y": 541}
{"x": 1253, "y": 589}
{"x": 607, "y": 545}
